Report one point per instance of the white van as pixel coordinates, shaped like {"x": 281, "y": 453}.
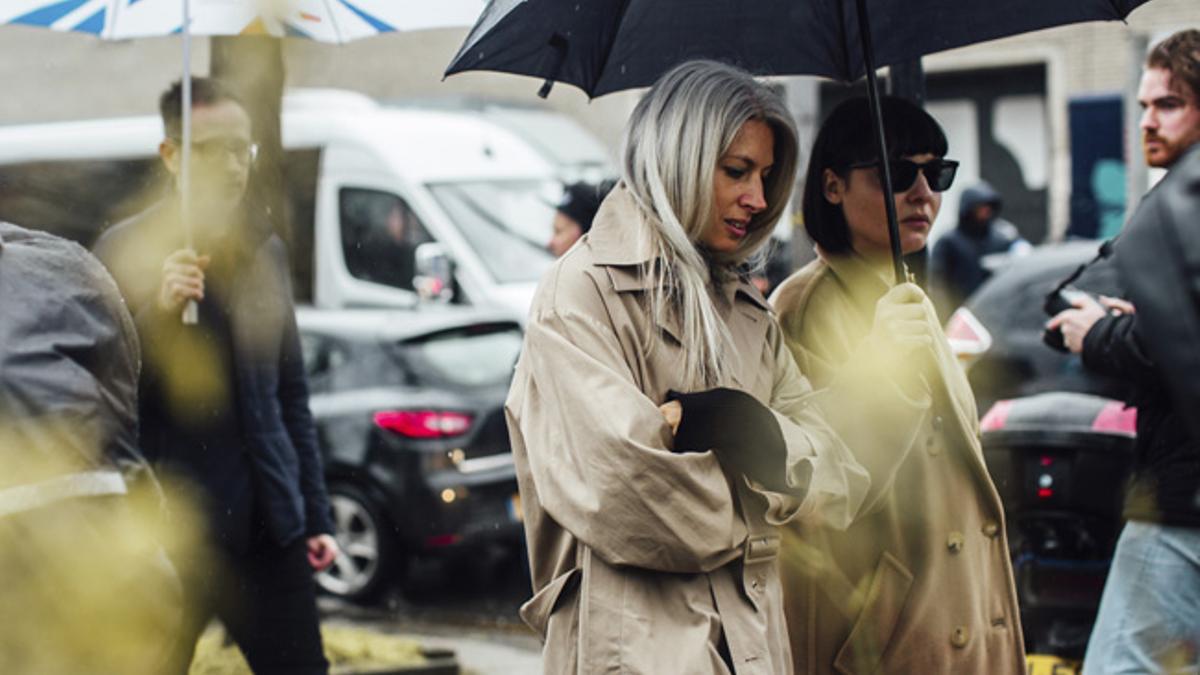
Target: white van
{"x": 372, "y": 191}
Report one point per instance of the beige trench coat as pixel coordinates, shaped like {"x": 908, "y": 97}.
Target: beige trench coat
{"x": 646, "y": 561}
{"x": 921, "y": 582}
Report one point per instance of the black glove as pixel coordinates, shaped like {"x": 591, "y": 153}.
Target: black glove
{"x": 741, "y": 431}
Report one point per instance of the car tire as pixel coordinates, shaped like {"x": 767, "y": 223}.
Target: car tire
{"x": 369, "y": 556}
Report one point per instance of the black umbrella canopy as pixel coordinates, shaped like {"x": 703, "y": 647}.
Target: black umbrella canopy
{"x": 603, "y": 46}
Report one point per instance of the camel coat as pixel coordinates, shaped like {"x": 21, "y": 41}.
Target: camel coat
{"x": 921, "y": 582}
{"x": 644, "y": 560}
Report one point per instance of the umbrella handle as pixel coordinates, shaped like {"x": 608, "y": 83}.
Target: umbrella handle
{"x": 191, "y": 313}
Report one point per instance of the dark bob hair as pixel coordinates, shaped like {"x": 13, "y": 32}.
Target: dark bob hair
{"x": 846, "y": 138}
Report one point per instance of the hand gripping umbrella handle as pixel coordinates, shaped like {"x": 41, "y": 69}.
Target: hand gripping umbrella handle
{"x": 191, "y": 313}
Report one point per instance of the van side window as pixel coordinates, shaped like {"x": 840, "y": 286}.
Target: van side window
{"x": 380, "y": 235}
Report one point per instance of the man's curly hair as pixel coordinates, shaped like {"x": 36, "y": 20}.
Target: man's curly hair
{"x": 1180, "y": 56}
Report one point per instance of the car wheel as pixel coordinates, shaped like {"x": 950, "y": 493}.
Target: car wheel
{"x": 369, "y": 555}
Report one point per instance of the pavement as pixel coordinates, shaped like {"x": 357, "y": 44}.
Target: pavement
{"x": 468, "y": 606}
{"x": 479, "y": 650}
{"x": 482, "y": 653}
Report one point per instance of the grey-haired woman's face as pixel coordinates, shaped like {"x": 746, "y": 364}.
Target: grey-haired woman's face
{"x": 739, "y": 186}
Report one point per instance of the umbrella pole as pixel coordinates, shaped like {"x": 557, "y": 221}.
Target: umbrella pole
{"x": 864, "y": 28}
{"x": 190, "y": 310}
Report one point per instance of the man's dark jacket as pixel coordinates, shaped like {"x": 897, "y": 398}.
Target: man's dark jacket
{"x": 274, "y": 421}
{"x": 956, "y": 267}
{"x": 1158, "y": 348}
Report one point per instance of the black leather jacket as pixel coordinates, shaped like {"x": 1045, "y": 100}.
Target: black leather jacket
{"x": 1157, "y": 350}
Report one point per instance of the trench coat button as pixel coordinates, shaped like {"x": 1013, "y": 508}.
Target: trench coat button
{"x": 955, "y": 542}
{"x": 960, "y": 637}
{"x": 938, "y": 423}
{"x": 932, "y": 446}
{"x": 991, "y": 530}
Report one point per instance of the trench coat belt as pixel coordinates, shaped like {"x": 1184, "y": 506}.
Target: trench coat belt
{"x": 761, "y": 547}
{"x": 21, "y": 498}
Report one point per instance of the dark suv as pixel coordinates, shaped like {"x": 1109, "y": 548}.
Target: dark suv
{"x": 409, "y": 413}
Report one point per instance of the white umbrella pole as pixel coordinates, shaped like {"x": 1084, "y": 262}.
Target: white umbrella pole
{"x": 190, "y": 310}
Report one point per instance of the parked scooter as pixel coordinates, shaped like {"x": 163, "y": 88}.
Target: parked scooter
{"x": 1060, "y": 461}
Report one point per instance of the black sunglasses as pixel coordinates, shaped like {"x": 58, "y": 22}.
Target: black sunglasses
{"x": 939, "y": 173}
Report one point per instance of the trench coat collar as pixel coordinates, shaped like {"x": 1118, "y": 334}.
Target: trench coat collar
{"x": 616, "y": 242}
{"x": 865, "y": 284}
{"x": 616, "y": 235}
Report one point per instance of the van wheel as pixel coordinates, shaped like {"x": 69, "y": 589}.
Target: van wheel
{"x": 369, "y": 556}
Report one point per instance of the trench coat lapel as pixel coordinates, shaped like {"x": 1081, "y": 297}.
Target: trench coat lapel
{"x": 749, "y": 334}
{"x": 632, "y": 269}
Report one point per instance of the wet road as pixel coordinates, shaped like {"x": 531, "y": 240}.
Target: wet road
{"x": 468, "y": 605}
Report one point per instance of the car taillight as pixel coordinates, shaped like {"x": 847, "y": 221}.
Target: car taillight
{"x": 424, "y": 423}
{"x": 968, "y": 337}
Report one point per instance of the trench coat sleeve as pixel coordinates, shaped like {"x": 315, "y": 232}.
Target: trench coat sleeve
{"x": 599, "y": 452}
{"x": 834, "y": 484}
{"x": 874, "y": 404}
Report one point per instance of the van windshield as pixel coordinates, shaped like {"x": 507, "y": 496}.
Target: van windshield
{"x": 507, "y": 223}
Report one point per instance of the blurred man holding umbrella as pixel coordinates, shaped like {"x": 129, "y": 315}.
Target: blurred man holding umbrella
{"x": 1149, "y": 617}
{"x": 224, "y": 402}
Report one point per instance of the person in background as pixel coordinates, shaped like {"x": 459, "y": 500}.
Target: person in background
{"x": 959, "y": 263}
{"x": 87, "y": 589}
{"x": 921, "y": 581}
{"x": 574, "y": 213}
{"x": 224, "y": 402}
{"x": 383, "y": 238}
{"x": 1149, "y": 617}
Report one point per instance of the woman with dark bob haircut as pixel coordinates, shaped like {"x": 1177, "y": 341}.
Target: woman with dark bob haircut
{"x": 920, "y": 582}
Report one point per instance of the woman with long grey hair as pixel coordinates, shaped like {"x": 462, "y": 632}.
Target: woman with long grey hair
{"x": 660, "y": 428}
